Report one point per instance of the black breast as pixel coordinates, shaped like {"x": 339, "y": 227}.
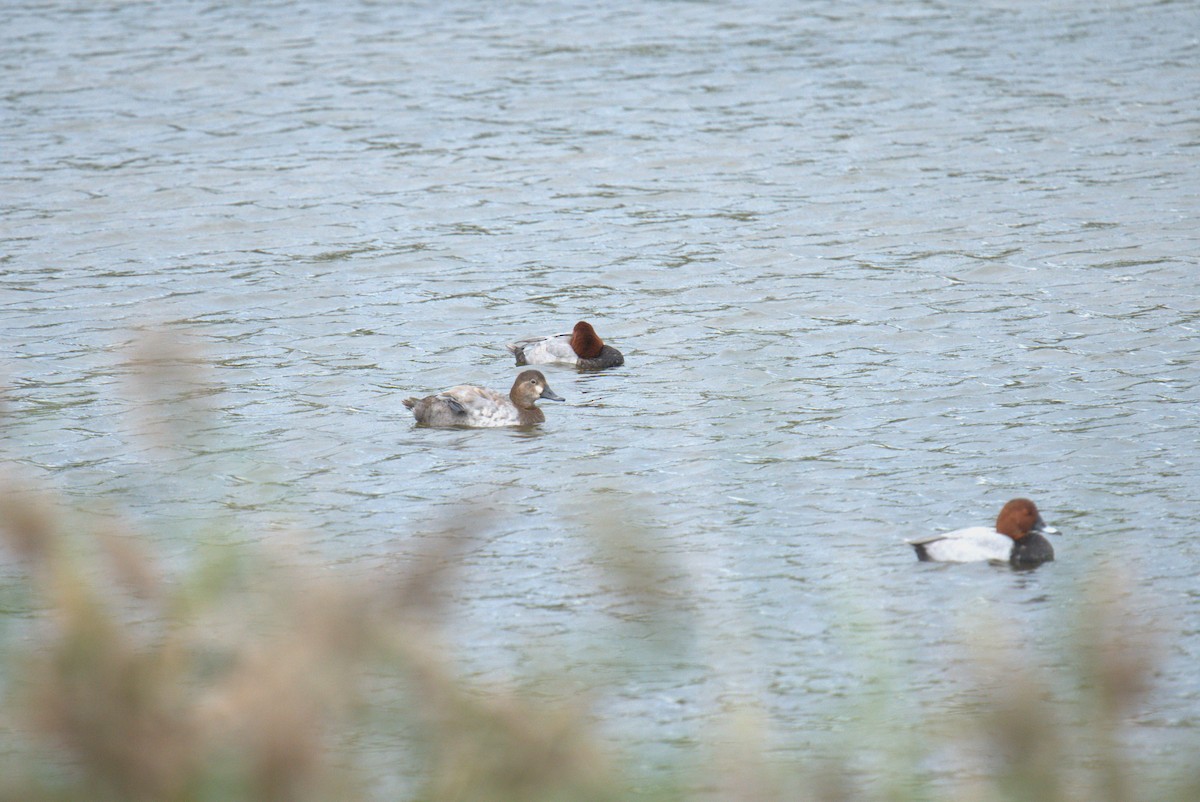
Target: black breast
{"x": 1031, "y": 550}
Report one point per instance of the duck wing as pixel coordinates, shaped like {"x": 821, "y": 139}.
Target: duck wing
{"x": 974, "y": 544}
{"x": 479, "y": 406}
{"x": 544, "y": 350}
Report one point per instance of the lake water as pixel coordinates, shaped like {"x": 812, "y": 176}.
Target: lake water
{"x": 876, "y": 267}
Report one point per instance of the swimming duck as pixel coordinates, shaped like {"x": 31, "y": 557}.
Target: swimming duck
{"x": 467, "y": 405}
{"x": 1016, "y": 539}
{"x": 582, "y": 348}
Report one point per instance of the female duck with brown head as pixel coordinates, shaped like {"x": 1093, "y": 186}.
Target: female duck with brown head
{"x": 1017, "y": 539}
{"x": 582, "y": 348}
{"x": 467, "y": 405}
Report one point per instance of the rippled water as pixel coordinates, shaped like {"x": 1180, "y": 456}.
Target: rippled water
{"x": 876, "y": 267}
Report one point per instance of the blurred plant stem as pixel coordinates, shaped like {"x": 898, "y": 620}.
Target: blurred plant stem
{"x": 246, "y": 677}
{"x": 234, "y": 682}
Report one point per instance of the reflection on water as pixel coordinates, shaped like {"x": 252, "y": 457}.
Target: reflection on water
{"x": 875, "y": 268}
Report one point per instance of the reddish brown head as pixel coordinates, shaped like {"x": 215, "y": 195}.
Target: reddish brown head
{"x": 1020, "y": 517}
{"x": 585, "y": 342}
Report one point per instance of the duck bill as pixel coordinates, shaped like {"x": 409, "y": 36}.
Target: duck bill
{"x": 550, "y": 394}
{"x": 1044, "y": 528}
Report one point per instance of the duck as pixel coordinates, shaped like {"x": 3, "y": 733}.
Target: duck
{"x": 468, "y": 405}
{"x": 1017, "y": 539}
{"x": 582, "y": 348}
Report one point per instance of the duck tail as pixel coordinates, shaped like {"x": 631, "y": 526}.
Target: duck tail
{"x": 517, "y": 350}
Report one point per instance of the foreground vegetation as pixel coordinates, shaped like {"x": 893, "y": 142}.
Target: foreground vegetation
{"x": 240, "y": 678}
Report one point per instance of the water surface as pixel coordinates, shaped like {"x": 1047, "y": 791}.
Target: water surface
{"x": 875, "y": 268}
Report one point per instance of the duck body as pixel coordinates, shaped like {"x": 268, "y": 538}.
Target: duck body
{"x": 581, "y": 348}
{"x": 469, "y": 405}
{"x": 1017, "y": 538}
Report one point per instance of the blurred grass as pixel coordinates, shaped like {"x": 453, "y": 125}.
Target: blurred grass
{"x": 240, "y": 679}
{"x": 243, "y": 678}
{"x": 240, "y": 675}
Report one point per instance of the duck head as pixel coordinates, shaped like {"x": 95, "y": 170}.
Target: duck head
{"x": 529, "y": 387}
{"x": 585, "y": 342}
{"x": 1020, "y": 517}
